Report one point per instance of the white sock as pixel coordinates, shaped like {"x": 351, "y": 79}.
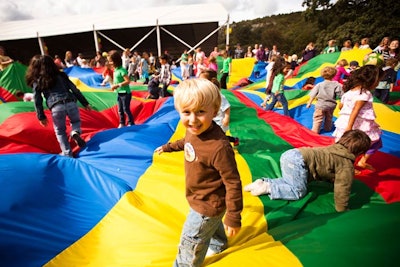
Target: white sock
{"x": 263, "y": 188}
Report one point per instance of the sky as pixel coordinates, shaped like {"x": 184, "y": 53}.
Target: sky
{"x": 239, "y": 10}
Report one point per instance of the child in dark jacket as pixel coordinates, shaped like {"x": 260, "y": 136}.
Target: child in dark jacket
{"x": 334, "y": 163}
{"x": 47, "y": 81}
{"x": 153, "y": 87}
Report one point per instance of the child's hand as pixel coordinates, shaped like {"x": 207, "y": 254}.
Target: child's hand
{"x": 43, "y": 122}
{"x": 308, "y": 105}
{"x": 231, "y": 231}
{"x": 88, "y": 107}
{"x": 159, "y": 150}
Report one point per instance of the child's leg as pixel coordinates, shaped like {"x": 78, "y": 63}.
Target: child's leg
{"x": 283, "y": 100}
{"x": 385, "y": 95}
{"x": 127, "y": 108}
{"x": 75, "y": 120}
{"x": 328, "y": 120}
{"x": 362, "y": 163}
{"x": 293, "y": 184}
{"x": 318, "y": 117}
{"x": 272, "y": 104}
{"x": 58, "y": 113}
{"x": 121, "y": 112}
{"x": 195, "y": 239}
{"x": 219, "y": 241}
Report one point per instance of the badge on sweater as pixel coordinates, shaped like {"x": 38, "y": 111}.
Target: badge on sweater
{"x": 190, "y": 155}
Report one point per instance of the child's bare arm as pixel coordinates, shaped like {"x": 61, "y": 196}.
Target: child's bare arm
{"x": 227, "y": 117}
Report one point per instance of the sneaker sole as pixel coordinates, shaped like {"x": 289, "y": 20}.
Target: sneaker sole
{"x": 79, "y": 141}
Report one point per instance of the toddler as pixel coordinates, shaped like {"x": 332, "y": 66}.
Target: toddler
{"x": 334, "y": 163}
{"x": 213, "y": 186}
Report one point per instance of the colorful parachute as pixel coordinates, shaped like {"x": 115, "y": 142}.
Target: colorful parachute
{"x": 119, "y": 204}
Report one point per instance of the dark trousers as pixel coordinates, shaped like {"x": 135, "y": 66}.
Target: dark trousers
{"x": 382, "y": 95}
{"x": 124, "y": 107}
{"x": 224, "y": 77}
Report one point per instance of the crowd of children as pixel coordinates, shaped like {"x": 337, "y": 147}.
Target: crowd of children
{"x": 211, "y": 170}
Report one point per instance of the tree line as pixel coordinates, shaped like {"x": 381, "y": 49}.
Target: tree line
{"x": 321, "y": 21}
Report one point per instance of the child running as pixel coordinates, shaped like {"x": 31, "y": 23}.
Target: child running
{"x": 121, "y": 86}
{"x": 334, "y": 164}
{"x": 213, "y": 186}
{"x": 47, "y": 81}
{"x": 356, "y": 109}
{"x": 278, "y": 78}
{"x": 326, "y": 93}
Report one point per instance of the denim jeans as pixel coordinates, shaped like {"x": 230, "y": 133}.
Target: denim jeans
{"x": 200, "y": 232}
{"x": 59, "y": 112}
{"x": 293, "y": 183}
{"x": 281, "y": 98}
{"x": 124, "y": 106}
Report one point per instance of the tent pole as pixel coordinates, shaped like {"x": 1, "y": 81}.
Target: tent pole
{"x": 227, "y": 31}
{"x": 144, "y": 38}
{"x": 111, "y": 40}
{"x": 158, "y": 39}
{"x": 96, "y": 40}
{"x": 40, "y": 44}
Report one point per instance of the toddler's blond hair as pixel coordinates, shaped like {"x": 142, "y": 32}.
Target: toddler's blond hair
{"x": 196, "y": 93}
{"x": 328, "y": 72}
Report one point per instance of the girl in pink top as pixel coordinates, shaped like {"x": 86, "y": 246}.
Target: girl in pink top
{"x": 356, "y": 109}
{"x": 341, "y": 71}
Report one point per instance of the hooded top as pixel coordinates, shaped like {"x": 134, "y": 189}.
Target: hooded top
{"x": 334, "y": 164}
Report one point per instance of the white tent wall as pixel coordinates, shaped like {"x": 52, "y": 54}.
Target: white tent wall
{"x": 191, "y": 23}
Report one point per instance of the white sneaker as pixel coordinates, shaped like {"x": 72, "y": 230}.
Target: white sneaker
{"x": 253, "y": 185}
{"x": 263, "y": 188}
{"x": 210, "y": 252}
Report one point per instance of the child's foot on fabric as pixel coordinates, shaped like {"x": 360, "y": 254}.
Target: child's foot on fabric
{"x": 121, "y": 125}
{"x": 210, "y": 252}
{"x": 366, "y": 166}
{"x": 253, "y": 185}
{"x": 78, "y": 139}
{"x": 263, "y": 188}
{"x": 357, "y": 172}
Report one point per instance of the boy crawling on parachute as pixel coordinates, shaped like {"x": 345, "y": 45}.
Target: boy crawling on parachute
{"x": 334, "y": 163}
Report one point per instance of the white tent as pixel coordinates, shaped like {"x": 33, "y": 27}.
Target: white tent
{"x": 157, "y": 18}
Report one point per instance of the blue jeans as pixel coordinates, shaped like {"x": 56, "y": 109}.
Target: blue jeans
{"x": 200, "y": 232}
{"x": 281, "y": 98}
{"x": 124, "y": 106}
{"x": 293, "y": 183}
{"x": 59, "y": 112}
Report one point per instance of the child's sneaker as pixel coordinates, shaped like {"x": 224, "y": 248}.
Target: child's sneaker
{"x": 121, "y": 125}
{"x": 210, "y": 252}
{"x": 262, "y": 188}
{"x": 78, "y": 139}
{"x": 236, "y": 142}
{"x": 253, "y": 185}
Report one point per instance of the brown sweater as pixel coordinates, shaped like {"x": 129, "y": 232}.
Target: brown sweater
{"x": 213, "y": 182}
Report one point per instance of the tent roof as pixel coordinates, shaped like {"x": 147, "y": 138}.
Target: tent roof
{"x": 134, "y": 18}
